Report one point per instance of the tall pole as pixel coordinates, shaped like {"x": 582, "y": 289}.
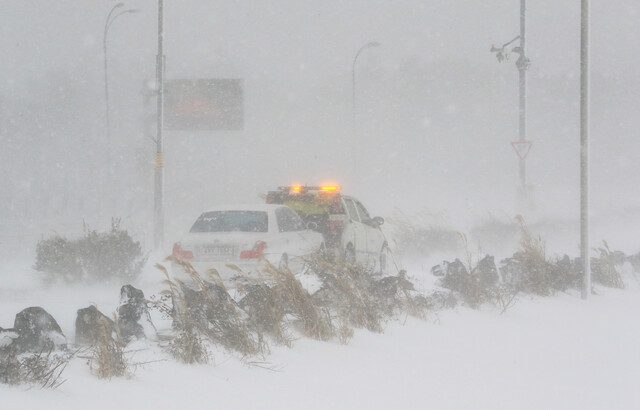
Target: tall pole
{"x": 107, "y": 23}
{"x": 159, "y": 161}
{"x": 584, "y": 148}
{"x": 354, "y": 130}
{"x": 522, "y": 70}
{"x": 353, "y": 82}
{"x": 523, "y": 65}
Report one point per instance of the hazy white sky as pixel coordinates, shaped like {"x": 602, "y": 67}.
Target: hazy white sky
{"x": 436, "y": 112}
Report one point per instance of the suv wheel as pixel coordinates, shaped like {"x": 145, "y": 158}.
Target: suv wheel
{"x": 383, "y": 260}
{"x": 349, "y": 255}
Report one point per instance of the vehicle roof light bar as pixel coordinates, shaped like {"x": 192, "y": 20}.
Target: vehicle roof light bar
{"x": 296, "y": 189}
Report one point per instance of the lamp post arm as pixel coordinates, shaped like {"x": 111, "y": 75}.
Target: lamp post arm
{"x": 120, "y": 14}
{"x": 353, "y": 76}
{"x": 107, "y": 22}
{"x": 509, "y": 42}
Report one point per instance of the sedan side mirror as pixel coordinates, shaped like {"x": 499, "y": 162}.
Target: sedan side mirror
{"x": 312, "y": 225}
{"x": 378, "y": 220}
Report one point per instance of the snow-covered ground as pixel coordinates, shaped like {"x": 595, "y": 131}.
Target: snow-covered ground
{"x": 559, "y": 352}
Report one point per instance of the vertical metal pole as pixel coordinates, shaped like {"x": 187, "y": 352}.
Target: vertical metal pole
{"x": 584, "y": 148}
{"x": 109, "y": 170}
{"x": 159, "y": 160}
{"x": 354, "y": 128}
{"x": 522, "y": 69}
{"x": 353, "y": 95}
{"x": 107, "y": 23}
{"x": 109, "y": 198}
{"x": 106, "y": 86}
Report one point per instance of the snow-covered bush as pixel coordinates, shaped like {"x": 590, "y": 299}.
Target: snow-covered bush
{"x": 605, "y": 269}
{"x": 354, "y": 296}
{"x": 475, "y": 284}
{"x": 58, "y": 258}
{"x": 529, "y": 270}
{"x": 96, "y": 257}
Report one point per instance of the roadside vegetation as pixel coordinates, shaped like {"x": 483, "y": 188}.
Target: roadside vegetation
{"x": 94, "y": 257}
{"x": 529, "y": 271}
{"x": 250, "y": 314}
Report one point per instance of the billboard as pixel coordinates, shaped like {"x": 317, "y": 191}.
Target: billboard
{"x": 203, "y": 104}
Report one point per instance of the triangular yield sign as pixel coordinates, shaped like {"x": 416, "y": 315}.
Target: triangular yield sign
{"x": 522, "y": 148}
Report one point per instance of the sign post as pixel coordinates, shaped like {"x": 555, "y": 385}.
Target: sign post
{"x": 158, "y": 195}
{"x": 522, "y": 64}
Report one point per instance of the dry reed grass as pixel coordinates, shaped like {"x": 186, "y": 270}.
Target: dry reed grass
{"x": 605, "y": 271}
{"x": 186, "y": 343}
{"x": 535, "y": 269}
{"x": 347, "y": 292}
{"x": 108, "y": 359}
{"x": 206, "y": 308}
{"x": 299, "y": 302}
{"x": 265, "y": 307}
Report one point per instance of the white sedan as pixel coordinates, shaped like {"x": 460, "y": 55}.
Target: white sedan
{"x": 246, "y": 236}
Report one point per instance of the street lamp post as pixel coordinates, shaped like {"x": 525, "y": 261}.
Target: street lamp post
{"x": 110, "y": 19}
{"x": 353, "y": 100}
{"x": 353, "y": 79}
{"x": 107, "y": 24}
{"x": 522, "y": 64}
{"x": 584, "y": 148}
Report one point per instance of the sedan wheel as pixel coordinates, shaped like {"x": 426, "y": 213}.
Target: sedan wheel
{"x": 284, "y": 262}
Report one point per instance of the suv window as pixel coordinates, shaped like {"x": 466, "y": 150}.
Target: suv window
{"x": 288, "y": 220}
{"x": 364, "y": 215}
{"x": 351, "y": 210}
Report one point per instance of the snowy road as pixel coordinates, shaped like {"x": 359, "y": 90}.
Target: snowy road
{"x": 544, "y": 353}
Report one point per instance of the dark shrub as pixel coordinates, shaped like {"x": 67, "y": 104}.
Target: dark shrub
{"x": 58, "y": 257}
{"x": 470, "y": 285}
{"x": 474, "y": 286}
{"x": 133, "y": 314}
{"x": 98, "y": 256}
{"x": 437, "y": 300}
{"x": 566, "y": 274}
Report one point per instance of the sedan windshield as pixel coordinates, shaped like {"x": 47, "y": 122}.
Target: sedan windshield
{"x": 231, "y": 221}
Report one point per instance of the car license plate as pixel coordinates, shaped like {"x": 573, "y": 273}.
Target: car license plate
{"x": 218, "y": 250}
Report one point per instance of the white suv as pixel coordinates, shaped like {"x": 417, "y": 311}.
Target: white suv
{"x": 347, "y": 227}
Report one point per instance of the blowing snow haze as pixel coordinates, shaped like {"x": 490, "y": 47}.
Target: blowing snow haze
{"x": 435, "y": 111}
